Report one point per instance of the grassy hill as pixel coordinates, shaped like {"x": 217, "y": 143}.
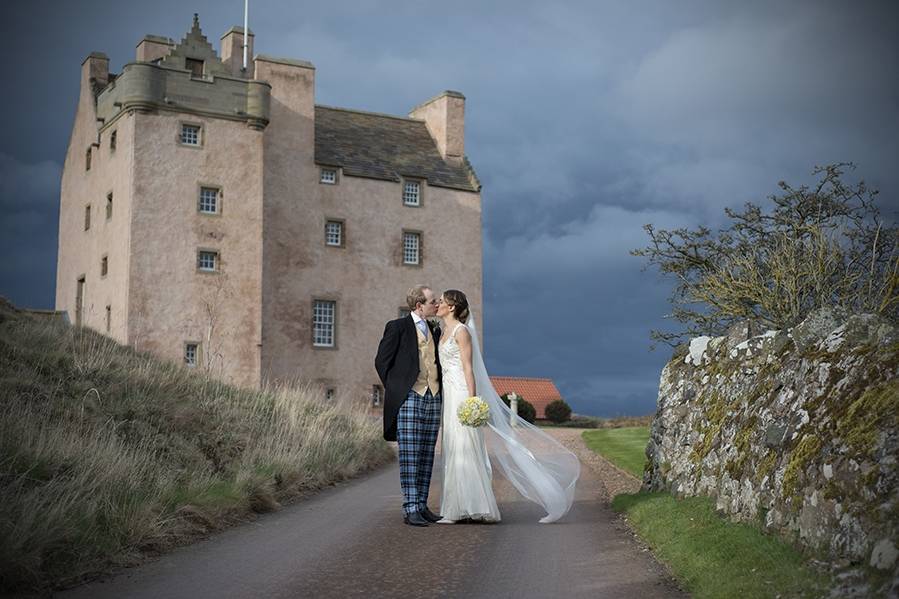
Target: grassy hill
{"x": 107, "y": 454}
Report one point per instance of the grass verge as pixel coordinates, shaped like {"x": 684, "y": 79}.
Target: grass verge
{"x": 714, "y": 557}
{"x": 624, "y": 447}
{"x": 107, "y": 454}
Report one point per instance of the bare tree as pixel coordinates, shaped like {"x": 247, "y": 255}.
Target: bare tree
{"x": 210, "y": 326}
{"x": 824, "y": 245}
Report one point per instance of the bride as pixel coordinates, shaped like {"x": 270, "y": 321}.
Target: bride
{"x": 537, "y": 465}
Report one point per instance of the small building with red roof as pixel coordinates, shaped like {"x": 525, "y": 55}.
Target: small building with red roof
{"x": 538, "y": 392}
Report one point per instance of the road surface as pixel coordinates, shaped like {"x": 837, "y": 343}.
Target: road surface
{"x": 350, "y": 541}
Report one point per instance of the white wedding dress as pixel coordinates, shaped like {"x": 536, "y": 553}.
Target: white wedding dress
{"x": 540, "y": 468}
{"x": 467, "y": 476}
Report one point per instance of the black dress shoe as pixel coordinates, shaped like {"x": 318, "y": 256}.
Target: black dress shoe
{"x": 415, "y": 519}
{"x": 429, "y": 515}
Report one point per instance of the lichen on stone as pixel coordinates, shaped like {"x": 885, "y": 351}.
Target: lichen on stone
{"x": 767, "y": 464}
{"x": 807, "y": 448}
{"x": 742, "y": 445}
{"x": 865, "y": 417}
{"x": 716, "y": 409}
{"x": 801, "y": 431}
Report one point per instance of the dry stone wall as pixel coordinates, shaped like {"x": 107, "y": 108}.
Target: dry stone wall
{"x": 795, "y": 429}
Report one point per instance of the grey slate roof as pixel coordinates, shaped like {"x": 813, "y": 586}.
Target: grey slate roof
{"x": 378, "y": 146}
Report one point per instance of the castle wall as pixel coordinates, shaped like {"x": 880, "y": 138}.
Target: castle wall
{"x": 80, "y": 250}
{"x": 288, "y": 178}
{"x": 253, "y": 317}
{"x": 171, "y": 301}
{"x": 366, "y": 277}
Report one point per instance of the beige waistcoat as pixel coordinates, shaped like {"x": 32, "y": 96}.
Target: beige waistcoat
{"x": 427, "y": 365}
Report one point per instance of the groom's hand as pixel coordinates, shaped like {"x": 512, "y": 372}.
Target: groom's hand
{"x": 386, "y": 356}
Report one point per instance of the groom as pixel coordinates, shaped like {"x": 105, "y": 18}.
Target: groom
{"x": 409, "y": 367}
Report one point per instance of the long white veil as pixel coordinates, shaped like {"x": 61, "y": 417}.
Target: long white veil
{"x": 536, "y": 464}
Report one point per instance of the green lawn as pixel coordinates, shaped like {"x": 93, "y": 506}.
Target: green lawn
{"x": 624, "y": 447}
{"x": 714, "y": 557}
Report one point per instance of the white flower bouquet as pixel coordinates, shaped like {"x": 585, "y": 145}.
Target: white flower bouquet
{"x": 474, "y": 411}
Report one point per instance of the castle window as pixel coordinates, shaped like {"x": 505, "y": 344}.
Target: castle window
{"x": 377, "y": 392}
{"x": 411, "y": 248}
{"x": 104, "y": 266}
{"x": 323, "y": 323}
{"x": 87, "y": 217}
{"x": 412, "y": 193}
{"x": 328, "y": 176}
{"x": 109, "y": 205}
{"x": 329, "y": 394}
{"x": 334, "y": 233}
{"x": 108, "y": 317}
{"x": 190, "y": 134}
{"x": 209, "y": 200}
{"x": 79, "y": 300}
{"x": 194, "y": 66}
{"x": 87, "y": 159}
{"x": 207, "y": 260}
{"x": 112, "y": 141}
{"x": 191, "y": 353}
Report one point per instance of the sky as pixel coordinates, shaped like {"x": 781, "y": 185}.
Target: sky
{"x": 584, "y": 121}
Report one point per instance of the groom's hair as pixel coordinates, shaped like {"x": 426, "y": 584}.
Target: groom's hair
{"x": 416, "y": 296}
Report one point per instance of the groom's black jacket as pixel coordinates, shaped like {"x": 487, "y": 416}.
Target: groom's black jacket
{"x": 397, "y": 365}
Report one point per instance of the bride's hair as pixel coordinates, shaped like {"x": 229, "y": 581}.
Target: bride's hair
{"x": 456, "y": 298}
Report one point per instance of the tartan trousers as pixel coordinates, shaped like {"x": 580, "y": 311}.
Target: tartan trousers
{"x": 418, "y": 422}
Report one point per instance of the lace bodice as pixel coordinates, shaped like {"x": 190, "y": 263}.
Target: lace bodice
{"x": 451, "y": 356}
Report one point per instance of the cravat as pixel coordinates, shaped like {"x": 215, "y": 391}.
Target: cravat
{"x": 423, "y": 328}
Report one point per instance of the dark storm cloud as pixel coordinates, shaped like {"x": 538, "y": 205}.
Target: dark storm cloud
{"x": 584, "y": 120}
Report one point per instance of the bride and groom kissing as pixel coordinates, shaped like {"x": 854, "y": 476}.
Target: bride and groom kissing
{"x": 428, "y": 372}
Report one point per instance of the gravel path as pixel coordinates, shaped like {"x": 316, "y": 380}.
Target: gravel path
{"x": 349, "y": 541}
{"x": 613, "y": 479}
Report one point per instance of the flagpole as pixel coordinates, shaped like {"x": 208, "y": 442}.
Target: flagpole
{"x": 246, "y": 30}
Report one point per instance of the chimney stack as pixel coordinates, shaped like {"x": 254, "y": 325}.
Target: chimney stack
{"x": 154, "y": 47}
{"x": 95, "y": 72}
{"x": 232, "y": 52}
{"x": 445, "y": 118}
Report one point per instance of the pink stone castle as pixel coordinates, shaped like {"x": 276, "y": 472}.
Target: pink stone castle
{"x": 215, "y": 215}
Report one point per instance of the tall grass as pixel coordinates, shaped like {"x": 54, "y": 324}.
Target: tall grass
{"x": 107, "y": 453}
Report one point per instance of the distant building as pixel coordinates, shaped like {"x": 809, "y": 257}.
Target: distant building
{"x": 538, "y": 392}
{"x": 214, "y": 214}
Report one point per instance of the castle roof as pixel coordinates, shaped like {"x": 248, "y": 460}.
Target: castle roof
{"x": 380, "y": 146}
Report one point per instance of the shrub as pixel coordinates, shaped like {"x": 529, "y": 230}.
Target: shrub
{"x": 558, "y": 411}
{"x": 525, "y": 408}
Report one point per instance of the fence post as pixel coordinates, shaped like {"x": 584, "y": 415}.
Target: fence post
{"x": 513, "y": 405}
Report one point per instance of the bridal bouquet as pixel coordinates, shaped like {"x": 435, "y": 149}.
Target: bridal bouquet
{"x": 474, "y": 411}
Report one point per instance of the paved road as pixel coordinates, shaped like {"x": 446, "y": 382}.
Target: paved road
{"x": 349, "y": 541}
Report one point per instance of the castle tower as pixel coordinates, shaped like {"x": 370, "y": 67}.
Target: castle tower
{"x": 216, "y": 215}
